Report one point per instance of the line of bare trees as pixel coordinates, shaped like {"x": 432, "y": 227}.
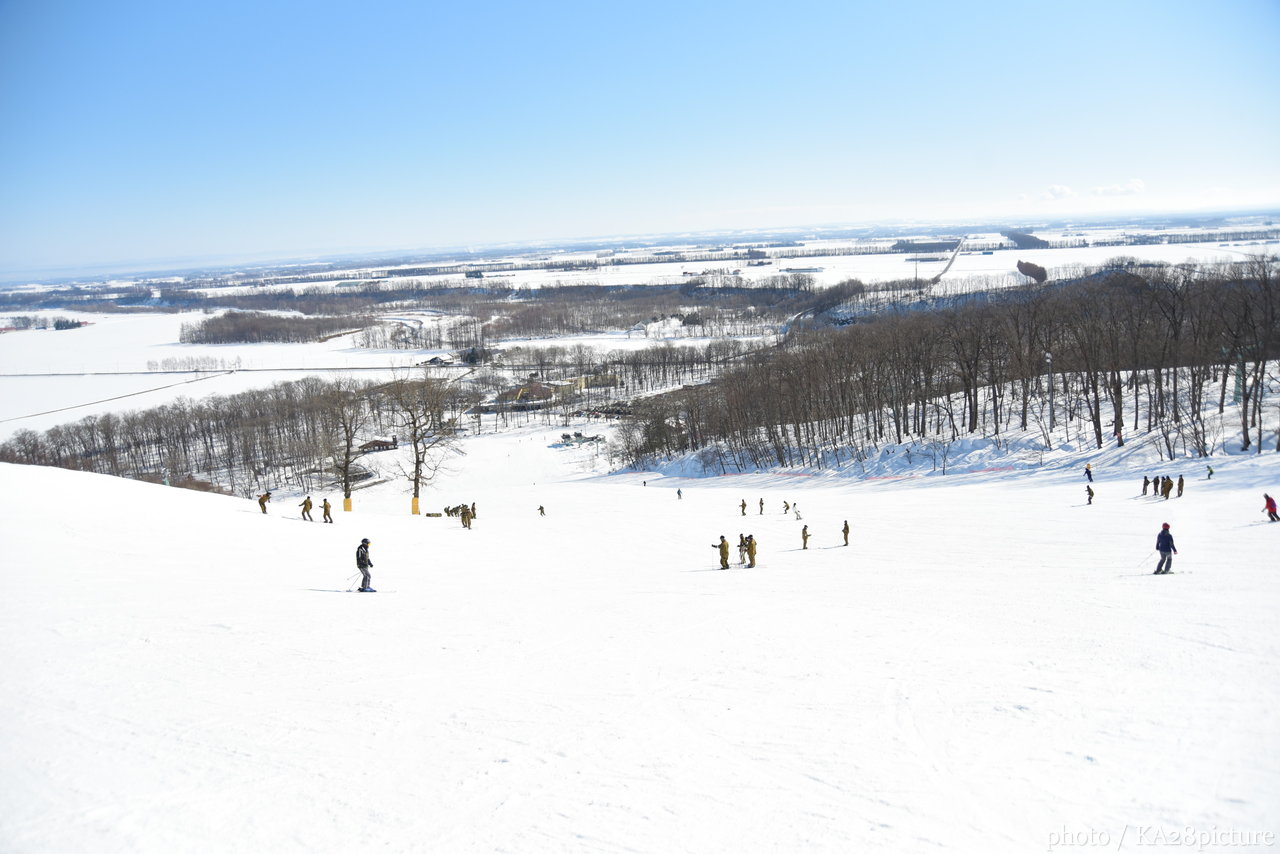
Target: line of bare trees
{"x": 306, "y": 433}
{"x": 252, "y": 327}
{"x": 1109, "y": 353}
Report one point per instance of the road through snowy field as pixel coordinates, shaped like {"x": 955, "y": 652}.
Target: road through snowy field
{"x": 989, "y": 662}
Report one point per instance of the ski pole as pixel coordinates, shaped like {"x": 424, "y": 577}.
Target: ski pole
{"x": 351, "y": 581}
{"x": 1145, "y": 559}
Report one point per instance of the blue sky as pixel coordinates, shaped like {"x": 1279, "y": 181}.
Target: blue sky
{"x": 157, "y": 132}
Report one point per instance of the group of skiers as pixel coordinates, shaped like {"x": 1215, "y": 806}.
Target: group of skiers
{"x": 745, "y": 551}
{"x": 465, "y": 512}
{"x": 1163, "y": 485}
{"x": 306, "y": 505}
{"x": 747, "y": 545}
{"x": 747, "y": 542}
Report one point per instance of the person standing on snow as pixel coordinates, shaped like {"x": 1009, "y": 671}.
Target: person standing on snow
{"x": 364, "y": 565}
{"x": 306, "y": 509}
{"x": 723, "y": 546}
{"x": 1270, "y": 508}
{"x": 743, "y": 507}
{"x": 1088, "y": 490}
{"x": 751, "y": 551}
{"x": 804, "y": 537}
{"x": 1088, "y": 471}
{"x": 1145, "y": 484}
{"x": 845, "y": 531}
{"x": 263, "y": 499}
{"x": 1164, "y": 545}
{"x": 742, "y": 549}
{"x": 761, "y": 506}
{"x": 1210, "y": 468}
{"x": 1181, "y": 483}
{"x": 326, "y": 508}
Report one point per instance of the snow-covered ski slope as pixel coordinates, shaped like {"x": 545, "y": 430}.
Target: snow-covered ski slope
{"x": 988, "y": 666}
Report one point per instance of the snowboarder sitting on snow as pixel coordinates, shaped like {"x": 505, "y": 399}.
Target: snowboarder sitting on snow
{"x": 1270, "y": 508}
{"x": 364, "y": 565}
{"x": 1164, "y": 545}
{"x": 723, "y": 546}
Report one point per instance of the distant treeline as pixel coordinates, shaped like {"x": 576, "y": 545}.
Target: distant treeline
{"x": 247, "y": 327}
{"x": 723, "y": 305}
{"x": 1118, "y": 351}
{"x": 306, "y": 433}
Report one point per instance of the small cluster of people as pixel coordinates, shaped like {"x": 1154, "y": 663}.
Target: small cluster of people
{"x": 1162, "y": 486}
{"x": 306, "y": 509}
{"x": 265, "y": 498}
{"x": 466, "y": 512}
{"x": 746, "y": 550}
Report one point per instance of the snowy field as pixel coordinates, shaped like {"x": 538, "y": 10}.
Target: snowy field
{"x": 50, "y": 377}
{"x": 989, "y": 665}
{"x": 996, "y": 268}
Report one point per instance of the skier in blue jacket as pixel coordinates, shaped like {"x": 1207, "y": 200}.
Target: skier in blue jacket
{"x": 1164, "y": 545}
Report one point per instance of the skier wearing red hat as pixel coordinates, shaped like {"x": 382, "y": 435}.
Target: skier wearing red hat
{"x": 1164, "y": 545}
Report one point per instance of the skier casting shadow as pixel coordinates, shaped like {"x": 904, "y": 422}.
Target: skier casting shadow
{"x": 1164, "y": 545}
{"x": 364, "y": 565}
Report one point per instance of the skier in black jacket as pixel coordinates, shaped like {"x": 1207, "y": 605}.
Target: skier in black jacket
{"x": 1164, "y": 545}
{"x": 364, "y": 564}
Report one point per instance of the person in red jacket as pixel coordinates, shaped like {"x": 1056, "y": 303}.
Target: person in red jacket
{"x": 1270, "y": 508}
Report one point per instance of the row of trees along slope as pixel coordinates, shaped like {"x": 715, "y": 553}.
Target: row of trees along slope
{"x": 1135, "y": 348}
{"x": 308, "y": 432}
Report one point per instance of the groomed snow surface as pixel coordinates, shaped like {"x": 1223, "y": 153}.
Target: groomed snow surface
{"x": 989, "y": 666}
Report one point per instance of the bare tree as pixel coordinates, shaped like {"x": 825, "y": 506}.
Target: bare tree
{"x": 419, "y": 412}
